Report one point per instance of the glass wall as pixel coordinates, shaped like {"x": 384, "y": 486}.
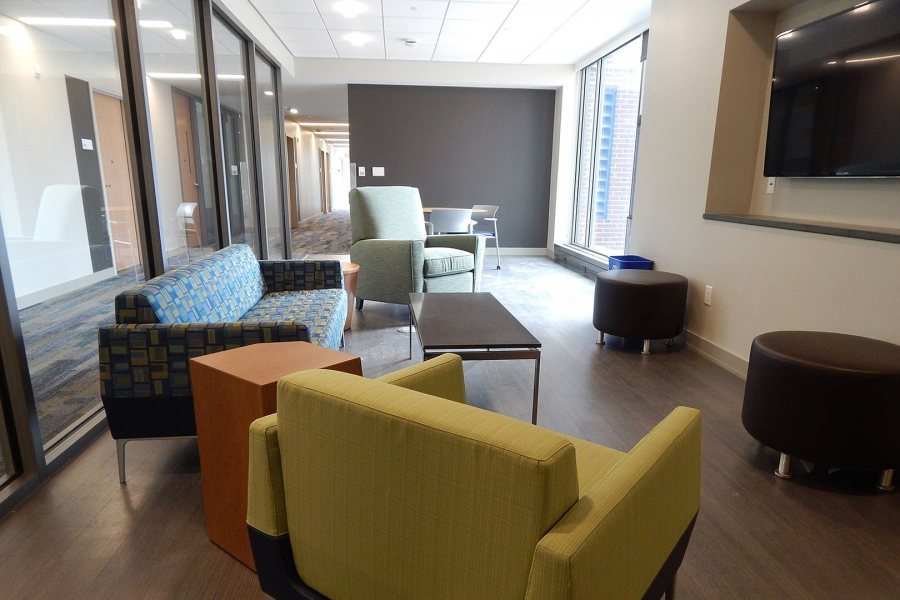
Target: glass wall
{"x": 66, "y": 198}
{"x": 182, "y": 159}
{"x": 234, "y": 116}
{"x": 610, "y": 112}
{"x": 270, "y": 132}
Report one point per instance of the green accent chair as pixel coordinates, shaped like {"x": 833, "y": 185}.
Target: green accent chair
{"x": 395, "y": 488}
{"x": 395, "y": 254}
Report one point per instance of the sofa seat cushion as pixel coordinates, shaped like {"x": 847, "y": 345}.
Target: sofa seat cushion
{"x": 323, "y": 312}
{"x": 447, "y": 261}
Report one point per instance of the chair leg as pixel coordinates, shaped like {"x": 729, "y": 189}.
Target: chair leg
{"x": 120, "y": 456}
{"x": 601, "y": 338}
{"x": 646, "y": 349}
{"x": 359, "y": 303}
{"x": 497, "y": 244}
{"x": 410, "y": 331}
{"x": 784, "y": 466}
{"x": 886, "y": 481}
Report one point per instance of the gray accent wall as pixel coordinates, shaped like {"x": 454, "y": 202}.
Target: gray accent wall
{"x": 461, "y": 146}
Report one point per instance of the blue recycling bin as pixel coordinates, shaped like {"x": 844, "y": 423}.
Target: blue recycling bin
{"x": 630, "y": 261}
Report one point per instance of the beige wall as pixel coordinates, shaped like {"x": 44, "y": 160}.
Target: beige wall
{"x": 763, "y": 279}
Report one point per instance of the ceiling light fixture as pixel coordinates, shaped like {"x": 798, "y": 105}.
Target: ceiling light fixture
{"x": 268, "y": 92}
{"x": 174, "y": 75}
{"x": 886, "y": 57}
{"x": 358, "y": 38}
{"x": 350, "y": 8}
{"x": 229, "y": 77}
{"x": 332, "y": 133}
{"x": 294, "y": 111}
{"x": 155, "y": 24}
{"x": 324, "y": 124}
{"x": 785, "y": 34}
{"x": 179, "y": 34}
{"x": 410, "y": 41}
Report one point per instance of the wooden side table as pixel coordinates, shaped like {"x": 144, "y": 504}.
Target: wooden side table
{"x": 232, "y": 389}
{"x": 350, "y": 270}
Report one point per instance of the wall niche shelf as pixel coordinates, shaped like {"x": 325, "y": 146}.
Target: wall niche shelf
{"x": 736, "y": 190}
{"x": 862, "y": 232}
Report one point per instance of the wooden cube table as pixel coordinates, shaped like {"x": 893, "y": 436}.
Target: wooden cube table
{"x": 232, "y": 389}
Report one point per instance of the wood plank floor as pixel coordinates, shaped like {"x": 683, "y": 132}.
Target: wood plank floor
{"x": 821, "y": 536}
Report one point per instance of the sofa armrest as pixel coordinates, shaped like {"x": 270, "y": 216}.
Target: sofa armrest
{"x": 151, "y": 360}
{"x": 619, "y": 537}
{"x": 296, "y": 275}
{"x": 265, "y": 498}
{"x": 441, "y": 376}
{"x": 388, "y": 269}
{"x": 132, "y": 307}
{"x": 468, "y": 242}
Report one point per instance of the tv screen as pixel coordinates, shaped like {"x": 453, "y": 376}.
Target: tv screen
{"x": 835, "y": 103}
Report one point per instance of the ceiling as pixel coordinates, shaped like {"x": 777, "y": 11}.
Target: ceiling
{"x": 496, "y": 31}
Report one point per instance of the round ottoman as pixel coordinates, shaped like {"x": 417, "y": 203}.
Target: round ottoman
{"x": 829, "y": 398}
{"x": 634, "y": 303}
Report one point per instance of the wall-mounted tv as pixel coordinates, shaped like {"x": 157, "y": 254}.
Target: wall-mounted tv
{"x": 835, "y": 102}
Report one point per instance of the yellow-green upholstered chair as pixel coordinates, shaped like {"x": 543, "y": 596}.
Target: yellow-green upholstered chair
{"x": 370, "y": 489}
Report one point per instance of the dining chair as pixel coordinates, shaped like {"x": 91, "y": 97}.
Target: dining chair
{"x": 485, "y": 216}
{"x": 451, "y": 220}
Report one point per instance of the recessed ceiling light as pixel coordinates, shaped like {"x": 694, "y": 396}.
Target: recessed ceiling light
{"x": 229, "y": 76}
{"x": 349, "y": 8}
{"x": 294, "y": 111}
{"x": 785, "y": 34}
{"x": 174, "y": 75}
{"x": 268, "y": 92}
{"x": 357, "y": 38}
{"x": 179, "y": 34}
{"x": 322, "y": 124}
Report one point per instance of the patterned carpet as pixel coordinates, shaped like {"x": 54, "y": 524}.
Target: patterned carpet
{"x": 61, "y": 346}
{"x": 323, "y": 234}
{"x": 61, "y": 334}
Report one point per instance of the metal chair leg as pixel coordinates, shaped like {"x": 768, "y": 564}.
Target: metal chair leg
{"x": 120, "y": 457}
{"x": 601, "y": 338}
{"x": 784, "y": 466}
{"x": 646, "y": 349}
{"x": 886, "y": 481}
{"x": 497, "y": 244}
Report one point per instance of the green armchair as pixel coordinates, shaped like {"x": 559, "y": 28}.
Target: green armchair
{"x": 396, "y": 488}
{"x": 396, "y": 256}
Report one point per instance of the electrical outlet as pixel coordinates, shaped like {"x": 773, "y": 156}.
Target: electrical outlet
{"x": 770, "y": 185}
{"x": 707, "y": 296}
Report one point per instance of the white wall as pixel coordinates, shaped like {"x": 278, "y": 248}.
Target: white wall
{"x": 167, "y": 176}
{"x": 309, "y": 190}
{"x": 763, "y": 279}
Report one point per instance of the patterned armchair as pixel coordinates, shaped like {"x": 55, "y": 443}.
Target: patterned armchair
{"x": 223, "y": 301}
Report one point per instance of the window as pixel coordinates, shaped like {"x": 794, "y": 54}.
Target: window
{"x": 607, "y": 144}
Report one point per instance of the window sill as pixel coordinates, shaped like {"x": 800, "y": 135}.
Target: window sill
{"x": 577, "y": 257}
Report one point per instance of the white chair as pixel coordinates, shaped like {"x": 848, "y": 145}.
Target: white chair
{"x": 186, "y": 219}
{"x": 487, "y": 220}
{"x": 451, "y": 220}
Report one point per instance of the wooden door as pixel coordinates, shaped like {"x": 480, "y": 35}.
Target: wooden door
{"x": 113, "y": 151}
{"x": 292, "y": 182}
{"x": 187, "y": 164}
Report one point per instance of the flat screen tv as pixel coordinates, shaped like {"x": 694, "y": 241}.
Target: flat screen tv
{"x": 835, "y": 102}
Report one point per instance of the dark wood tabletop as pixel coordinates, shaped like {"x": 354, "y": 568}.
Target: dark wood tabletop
{"x": 467, "y": 320}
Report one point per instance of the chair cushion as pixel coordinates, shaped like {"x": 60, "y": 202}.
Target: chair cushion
{"x": 323, "y": 312}
{"x": 447, "y": 261}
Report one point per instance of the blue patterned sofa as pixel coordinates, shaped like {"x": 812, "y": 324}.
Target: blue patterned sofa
{"x": 225, "y": 300}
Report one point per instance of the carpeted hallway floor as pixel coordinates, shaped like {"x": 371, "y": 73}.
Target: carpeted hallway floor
{"x": 322, "y": 234}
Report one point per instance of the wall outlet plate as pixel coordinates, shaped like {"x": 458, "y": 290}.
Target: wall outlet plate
{"x": 361, "y": 171}
{"x": 707, "y": 296}
{"x": 377, "y": 171}
{"x": 770, "y": 185}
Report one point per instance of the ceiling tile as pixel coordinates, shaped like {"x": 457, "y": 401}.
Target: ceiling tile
{"x": 396, "y": 48}
{"x": 294, "y": 20}
{"x": 412, "y": 25}
{"x": 303, "y": 35}
{"x": 487, "y": 11}
{"x": 469, "y": 27}
{"x": 361, "y": 23}
{"x": 369, "y": 7}
{"x": 288, "y": 6}
{"x": 312, "y": 49}
{"x": 419, "y": 9}
{"x": 374, "y": 48}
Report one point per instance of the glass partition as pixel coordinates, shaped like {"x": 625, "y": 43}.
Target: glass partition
{"x": 182, "y": 159}
{"x": 270, "y": 131}
{"x": 66, "y": 197}
{"x": 234, "y": 115}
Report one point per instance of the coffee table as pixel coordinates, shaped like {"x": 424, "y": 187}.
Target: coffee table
{"x": 232, "y": 389}
{"x": 476, "y": 327}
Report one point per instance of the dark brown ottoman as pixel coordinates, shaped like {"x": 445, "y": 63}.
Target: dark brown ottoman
{"x": 633, "y": 303}
{"x": 828, "y": 398}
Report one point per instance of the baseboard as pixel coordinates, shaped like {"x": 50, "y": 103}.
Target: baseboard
{"x": 63, "y": 288}
{"x": 718, "y": 355}
{"x": 516, "y": 251}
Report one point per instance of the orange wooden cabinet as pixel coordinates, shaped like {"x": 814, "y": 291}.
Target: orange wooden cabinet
{"x": 232, "y": 389}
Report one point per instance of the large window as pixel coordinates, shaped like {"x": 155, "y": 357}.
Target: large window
{"x": 607, "y": 142}
{"x": 271, "y": 129}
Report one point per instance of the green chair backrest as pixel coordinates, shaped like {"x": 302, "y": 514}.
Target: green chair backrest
{"x": 386, "y": 213}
